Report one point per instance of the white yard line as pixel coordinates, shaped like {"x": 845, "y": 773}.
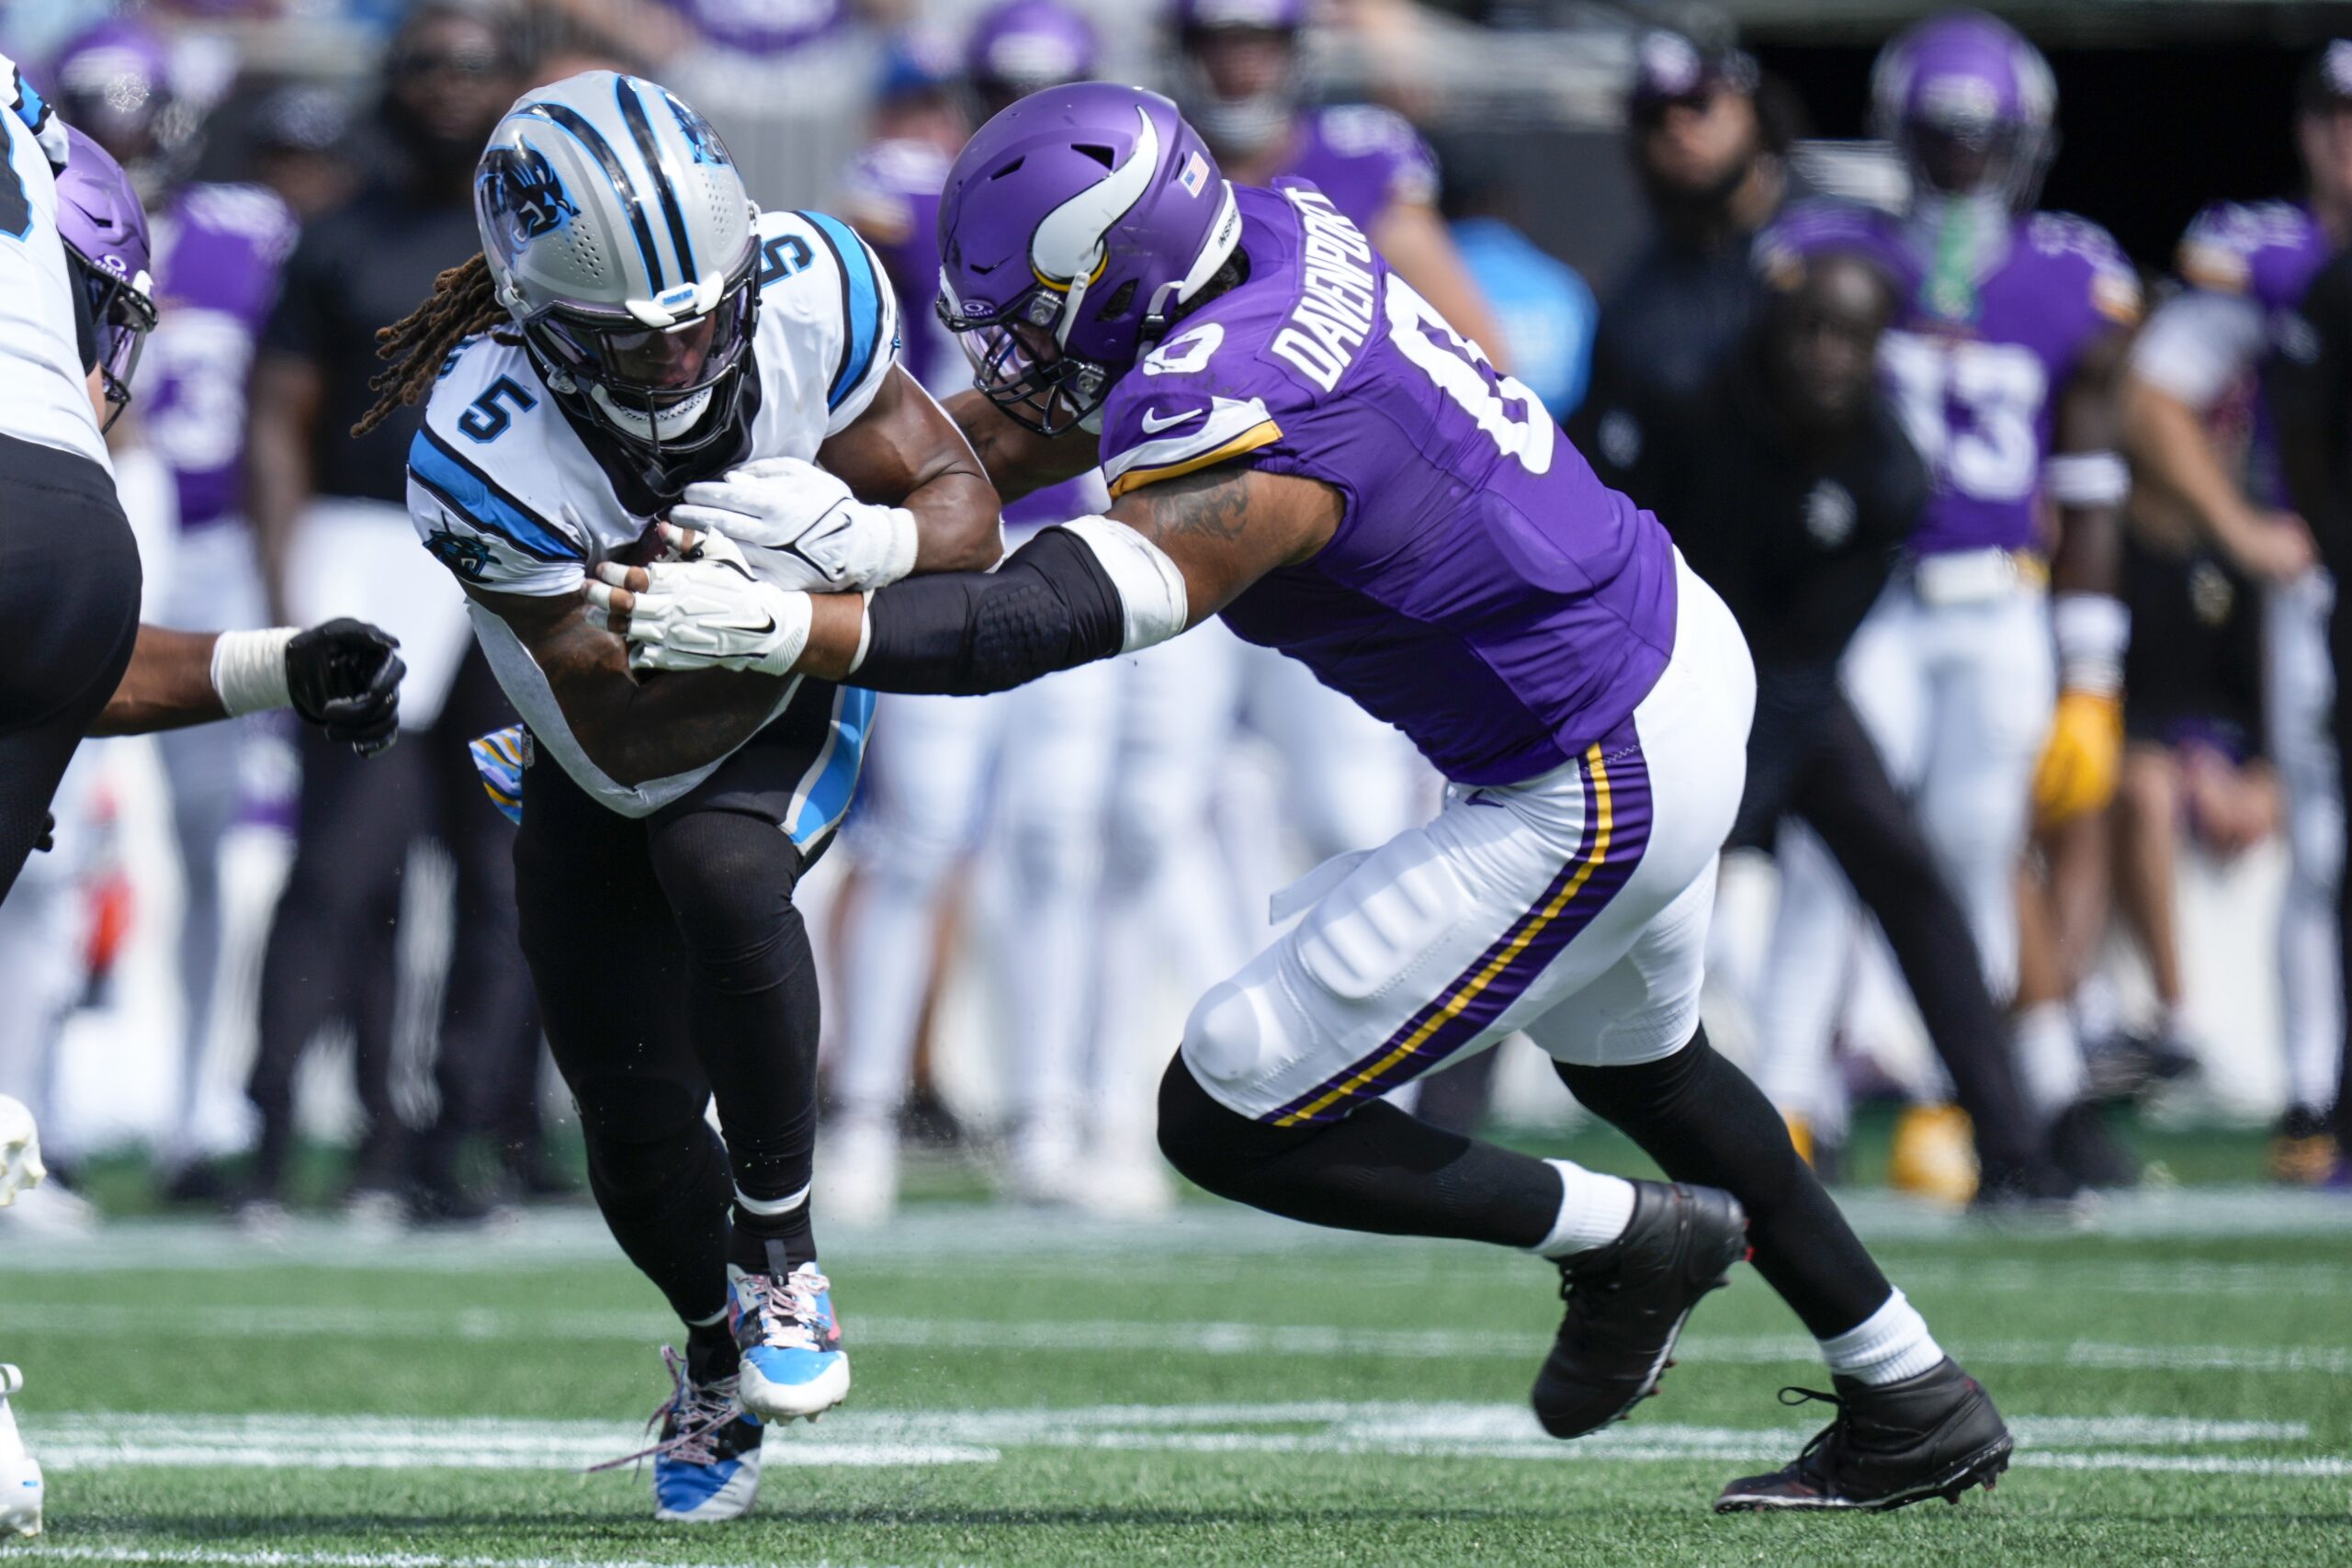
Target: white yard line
{"x": 114, "y": 1320}
{"x": 932, "y": 1233}
{"x": 301, "y": 1441}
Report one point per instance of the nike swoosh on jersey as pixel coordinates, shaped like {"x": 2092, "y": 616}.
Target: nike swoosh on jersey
{"x": 1153, "y": 425}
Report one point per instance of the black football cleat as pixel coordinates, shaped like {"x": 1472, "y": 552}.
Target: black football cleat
{"x": 1933, "y": 1435}
{"x": 1627, "y": 1302}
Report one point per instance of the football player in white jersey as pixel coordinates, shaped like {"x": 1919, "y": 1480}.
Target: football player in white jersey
{"x": 637, "y": 341}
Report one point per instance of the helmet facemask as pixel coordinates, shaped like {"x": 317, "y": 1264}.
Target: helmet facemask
{"x": 1020, "y": 366}
{"x": 122, "y": 312}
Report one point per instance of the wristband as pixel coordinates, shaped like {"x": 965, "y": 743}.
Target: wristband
{"x": 249, "y": 670}
{"x": 2092, "y": 631}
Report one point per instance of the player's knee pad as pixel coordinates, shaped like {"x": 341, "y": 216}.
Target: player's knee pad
{"x": 651, "y": 1169}
{"x": 1230, "y": 1040}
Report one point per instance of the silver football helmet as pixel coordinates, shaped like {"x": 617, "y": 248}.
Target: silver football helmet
{"x": 620, "y": 239}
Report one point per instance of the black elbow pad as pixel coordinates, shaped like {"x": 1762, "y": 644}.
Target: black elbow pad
{"x": 1048, "y": 608}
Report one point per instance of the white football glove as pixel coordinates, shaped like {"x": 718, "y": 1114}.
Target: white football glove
{"x": 709, "y": 613}
{"x": 21, "y": 1166}
{"x": 808, "y": 531}
{"x": 39, "y": 118}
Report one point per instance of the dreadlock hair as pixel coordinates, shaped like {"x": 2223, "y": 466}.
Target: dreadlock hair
{"x": 462, "y": 305}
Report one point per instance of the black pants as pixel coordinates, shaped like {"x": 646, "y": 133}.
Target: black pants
{"x": 487, "y": 1068}
{"x": 333, "y": 952}
{"x": 2340, "y": 644}
{"x": 672, "y": 968}
{"x": 70, "y": 569}
{"x": 1808, "y": 756}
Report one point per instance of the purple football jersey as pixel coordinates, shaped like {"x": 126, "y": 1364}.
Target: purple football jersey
{"x": 1485, "y": 593}
{"x": 1978, "y": 368}
{"x": 891, "y": 196}
{"x": 217, "y": 261}
{"x": 2266, "y": 254}
{"x": 1365, "y": 159}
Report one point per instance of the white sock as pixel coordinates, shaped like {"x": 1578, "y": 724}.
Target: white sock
{"x": 1892, "y": 1344}
{"x": 1594, "y": 1210}
{"x": 2049, "y": 1064}
{"x": 769, "y": 1208}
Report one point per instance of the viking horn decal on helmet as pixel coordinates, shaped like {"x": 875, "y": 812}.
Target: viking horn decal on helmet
{"x": 1067, "y": 248}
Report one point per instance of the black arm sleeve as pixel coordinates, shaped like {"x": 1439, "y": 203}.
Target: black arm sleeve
{"x": 1049, "y": 606}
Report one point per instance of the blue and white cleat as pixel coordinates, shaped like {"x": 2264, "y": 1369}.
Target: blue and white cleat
{"x": 707, "y": 1463}
{"x": 793, "y": 1362}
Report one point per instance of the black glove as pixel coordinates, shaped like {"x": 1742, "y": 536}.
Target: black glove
{"x": 344, "y": 677}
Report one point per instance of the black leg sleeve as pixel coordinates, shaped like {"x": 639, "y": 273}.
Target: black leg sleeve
{"x": 1376, "y": 1169}
{"x": 1847, "y": 796}
{"x": 1705, "y": 1121}
{"x": 751, "y": 1011}
{"x": 611, "y": 976}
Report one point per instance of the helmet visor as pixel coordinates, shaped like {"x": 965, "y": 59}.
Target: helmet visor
{"x": 662, "y": 364}
{"x": 1019, "y": 366}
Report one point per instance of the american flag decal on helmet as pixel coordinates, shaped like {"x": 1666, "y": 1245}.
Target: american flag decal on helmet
{"x": 1195, "y": 176}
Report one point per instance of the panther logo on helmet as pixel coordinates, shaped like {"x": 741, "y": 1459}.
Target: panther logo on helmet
{"x": 525, "y": 188}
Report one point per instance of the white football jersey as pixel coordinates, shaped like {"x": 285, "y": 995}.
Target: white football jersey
{"x": 505, "y": 494}
{"x": 48, "y": 397}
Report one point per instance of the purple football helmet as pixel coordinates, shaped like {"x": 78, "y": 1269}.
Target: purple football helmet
{"x": 1024, "y": 45}
{"x": 1073, "y": 227}
{"x": 105, "y": 230}
{"x": 113, "y": 81}
{"x": 1821, "y": 228}
{"x": 1242, "y": 95}
{"x": 1968, "y": 102}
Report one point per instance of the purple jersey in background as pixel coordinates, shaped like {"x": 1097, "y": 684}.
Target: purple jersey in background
{"x": 1485, "y": 593}
{"x": 217, "y": 254}
{"x": 2266, "y": 253}
{"x": 1977, "y": 367}
{"x": 1365, "y": 159}
{"x": 891, "y": 196}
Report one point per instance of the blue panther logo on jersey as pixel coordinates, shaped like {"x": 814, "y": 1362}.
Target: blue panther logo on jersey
{"x": 708, "y": 148}
{"x": 523, "y": 187}
{"x": 469, "y": 558}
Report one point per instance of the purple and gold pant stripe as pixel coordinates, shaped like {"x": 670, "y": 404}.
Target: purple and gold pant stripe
{"x": 1616, "y": 831}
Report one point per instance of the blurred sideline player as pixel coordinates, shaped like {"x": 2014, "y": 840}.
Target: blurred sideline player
{"x": 218, "y": 252}
{"x": 1036, "y": 762}
{"x": 636, "y": 339}
{"x": 75, "y": 305}
{"x": 1349, "y": 781}
{"x": 1300, "y": 443}
{"x": 2204, "y": 442}
{"x": 2003, "y": 367}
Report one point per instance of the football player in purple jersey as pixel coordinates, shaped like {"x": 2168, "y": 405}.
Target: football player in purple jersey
{"x": 219, "y": 250}
{"x": 2205, "y": 442}
{"x": 1989, "y": 672}
{"x": 1298, "y": 443}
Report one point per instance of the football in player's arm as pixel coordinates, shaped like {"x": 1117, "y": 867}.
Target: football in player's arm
{"x": 902, "y": 453}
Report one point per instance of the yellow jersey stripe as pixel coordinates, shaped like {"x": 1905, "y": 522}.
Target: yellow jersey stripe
{"x": 1265, "y": 432}
{"x": 1468, "y": 991}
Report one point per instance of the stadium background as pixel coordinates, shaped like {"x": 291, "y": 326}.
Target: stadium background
{"x": 349, "y": 1400}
